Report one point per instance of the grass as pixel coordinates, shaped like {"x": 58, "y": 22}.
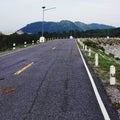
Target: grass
{"x": 116, "y": 105}
{"x": 105, "y": 62}
{"x": 19, "y": 46}
{"x": 103, "y": 70}
{"x": 22, "y": 46}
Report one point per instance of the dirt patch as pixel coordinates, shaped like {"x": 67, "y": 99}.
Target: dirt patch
{"x": 8, "y": 90}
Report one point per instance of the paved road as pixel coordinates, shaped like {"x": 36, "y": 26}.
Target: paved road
{"x": 49, "y": 82}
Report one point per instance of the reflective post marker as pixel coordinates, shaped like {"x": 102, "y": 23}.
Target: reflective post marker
{"x": 25, "y": 44}
{"x": 112, "y": 75}
{"x": 89, "y": 54}
{"x": 14, "y": 46}
{"x": 96, "y": 59}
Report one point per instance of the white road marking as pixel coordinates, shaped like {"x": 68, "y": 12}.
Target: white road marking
{"x": 101, "y": 104}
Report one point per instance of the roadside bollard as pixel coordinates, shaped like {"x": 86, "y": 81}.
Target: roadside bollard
{"x": 112, "y": 75}
{"x": 38, "y": 41}
{"x": 85, "y": 47}
{"x": 32, "y": 42}
{"x": 14, "y": 46}
{"x": 89, "y": 54}
{"x": 78, "y": 40}
{"x": 25, "y": 44}
{"x": 96, "y": 59}
{"x": 81, "y": 43}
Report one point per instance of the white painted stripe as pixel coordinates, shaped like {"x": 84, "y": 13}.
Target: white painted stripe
{"x": 101, "y": 104}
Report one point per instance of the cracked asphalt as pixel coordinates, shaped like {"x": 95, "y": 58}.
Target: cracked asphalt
{"x": 55, "y": 87}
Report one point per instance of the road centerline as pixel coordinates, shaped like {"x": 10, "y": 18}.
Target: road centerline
{"x": 24, "y": 68}
{"x": 53, "y": 48}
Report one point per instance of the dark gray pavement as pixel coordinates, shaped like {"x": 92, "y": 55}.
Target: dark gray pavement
{"x": 55, "y": 87}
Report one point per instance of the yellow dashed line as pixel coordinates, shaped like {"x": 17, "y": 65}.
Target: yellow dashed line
{"x": 24, "y": 68}
{"x": 53, "y": 48}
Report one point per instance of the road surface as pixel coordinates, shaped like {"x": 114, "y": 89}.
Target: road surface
{"x": 49, "y": 82}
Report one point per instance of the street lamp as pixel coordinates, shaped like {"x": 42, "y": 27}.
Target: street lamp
{"x": 42, "y": 38}
{"x": 71, "y": 37}
{"x": 43, "y": 20}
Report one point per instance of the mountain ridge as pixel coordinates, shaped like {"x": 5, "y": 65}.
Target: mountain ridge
{"x": 62, "y": 26}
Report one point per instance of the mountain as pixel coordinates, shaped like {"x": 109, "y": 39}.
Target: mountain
{"x": 93, "y": 26}
{"x": 61, "y": 26}
{"x": 83, "y": 26}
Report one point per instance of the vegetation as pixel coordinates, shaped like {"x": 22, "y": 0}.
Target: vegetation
{"x": 116, "y": 105}
{"x": 6, "y": 41}
{"x": 103, "y": 70}
{"x": 104, "y": 63}
{"x": 93, "y": 45}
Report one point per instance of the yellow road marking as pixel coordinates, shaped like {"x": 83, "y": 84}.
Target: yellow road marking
{"x": 24, "y": 68}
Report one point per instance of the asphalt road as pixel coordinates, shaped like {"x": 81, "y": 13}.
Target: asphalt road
{"x": 49, "y": 82}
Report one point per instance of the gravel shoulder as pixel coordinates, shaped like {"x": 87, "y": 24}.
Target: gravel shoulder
{"x": 114, "y": 95}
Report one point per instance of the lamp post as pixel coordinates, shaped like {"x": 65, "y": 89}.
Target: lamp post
{"x": 43, "y": 21}
{"x": 71, "y": 37}
{"x": 42, "y": 38}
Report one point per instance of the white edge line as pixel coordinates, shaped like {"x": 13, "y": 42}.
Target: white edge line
{"x": 101, "y": 104}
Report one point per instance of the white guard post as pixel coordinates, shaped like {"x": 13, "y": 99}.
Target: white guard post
{"x": 32, "y": 42}
{"x": 14, "y": 46}
{"x": 25, "y": 44}
{"x": 42, "y": 39}
{"x": 85, "y": 47}
{"x": 96, "y": 59}
{"x": 89, "y": 52}
{"x": 112, "y": 75}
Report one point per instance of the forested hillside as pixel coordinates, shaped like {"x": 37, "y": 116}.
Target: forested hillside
{"x": 6, "y": 41}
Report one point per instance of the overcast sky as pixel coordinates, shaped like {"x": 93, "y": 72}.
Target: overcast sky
{"x": 15, "y": 14}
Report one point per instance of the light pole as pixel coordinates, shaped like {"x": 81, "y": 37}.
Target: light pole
{"x": 43, "y": 21}
{"x": 71, "y": 37}
{"x": 42, "y": 38}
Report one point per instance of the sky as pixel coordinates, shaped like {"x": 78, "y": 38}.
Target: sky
{"x": 15, "y": 14}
